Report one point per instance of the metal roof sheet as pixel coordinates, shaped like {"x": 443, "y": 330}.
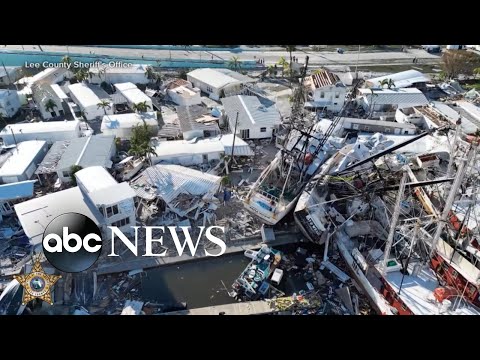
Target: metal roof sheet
{"x": 169, "y": 181}
{"x": 250, "y": 112}
{"x": 88, "y": 151}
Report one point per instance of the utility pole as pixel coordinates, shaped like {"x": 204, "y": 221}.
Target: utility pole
{"x": 234, "y": 135}
{"x": 393, "y": 223}
{"x": 356, "y": 65}
{"x": 14, "y": 139}
{"x": 451, "y": 197}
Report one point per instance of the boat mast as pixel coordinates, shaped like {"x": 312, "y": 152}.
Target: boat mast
{"x": 452, "y": 151}
{"x": 459, "y": 178}
{"x": 412, "y": 246}
{"x": 393, "y": 222}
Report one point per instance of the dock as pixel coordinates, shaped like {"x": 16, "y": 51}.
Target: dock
{"x": 242, "y": 308}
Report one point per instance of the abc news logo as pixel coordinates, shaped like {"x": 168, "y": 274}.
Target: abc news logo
{"x": 72, "y": 242}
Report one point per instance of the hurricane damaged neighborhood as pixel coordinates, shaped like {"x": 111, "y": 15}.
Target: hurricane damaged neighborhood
{"x": 331, "y": 183}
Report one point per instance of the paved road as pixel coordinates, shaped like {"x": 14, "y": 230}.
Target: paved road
{"x": 270, "y": 57}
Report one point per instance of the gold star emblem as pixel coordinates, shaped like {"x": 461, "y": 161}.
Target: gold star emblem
{"x": 37, "y": 284}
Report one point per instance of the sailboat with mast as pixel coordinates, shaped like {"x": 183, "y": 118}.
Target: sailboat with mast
{"x": 304, "y": 151}
{"x": 351, "y": 208}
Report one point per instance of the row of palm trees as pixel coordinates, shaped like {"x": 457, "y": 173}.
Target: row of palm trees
{"x": 140, "y": 107}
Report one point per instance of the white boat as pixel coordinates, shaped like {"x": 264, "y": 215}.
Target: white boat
{"x": 129, "y": 167}
{"x": 278, "y": 188}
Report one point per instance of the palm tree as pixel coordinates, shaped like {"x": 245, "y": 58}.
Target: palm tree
{"x": 140, "y": 142}
{"x": 383, "y": 83}
{"x": 234, "y": 63}
{"x": 83, "y": 115}
{"x": 66, "y": 59}
{"x": 270, "y": 70}
{"x": 150, "y": 74}
{"x": 283, "y": 63}
{"x": 50, "y": 105}
{"x": 388, "y": 82}
{"x": 104, "y": 104}
{"x": 141, "y": 107}
{"x": 82, "y": 75}
{"x": 290, "y": 49}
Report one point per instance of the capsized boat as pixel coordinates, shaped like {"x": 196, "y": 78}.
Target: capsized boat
{"x": 279, "y": 186}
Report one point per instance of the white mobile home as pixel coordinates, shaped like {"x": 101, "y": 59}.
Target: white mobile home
{"x": 182, "y": 93}
{"x": 255, "y": 121}
{"x": 132, "y": 94}
{"x": 121, "y": 125}
{"x": 96, "y": 150}
{"x": 218, "y": 83}
{"x": 389, "y": 100}
{"x": 134, "y": 73}
{"x": 326, "y": 91}
{"x": 114, "y": 200}
{"x": 46, "y": 131}
{"x": 374, "y": 126}
{"x": 23, "y": 162}
{"x": 9, "y": 102}
{"x": 185, "y": 153}
{"x": 87, "y": 99}
{"x": 9, "y": 74}
{"x": 403, "y": 79}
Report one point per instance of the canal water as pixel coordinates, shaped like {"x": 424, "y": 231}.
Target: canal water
{"x": 19, "y": 58}
{"x": 201, "y": 283}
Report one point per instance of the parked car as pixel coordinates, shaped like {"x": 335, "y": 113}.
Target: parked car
{"x": 432, "y": 49}
{"x": 340, "y": 50}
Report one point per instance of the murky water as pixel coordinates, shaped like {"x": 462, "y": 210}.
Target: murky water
{"x": 200, "y": 284}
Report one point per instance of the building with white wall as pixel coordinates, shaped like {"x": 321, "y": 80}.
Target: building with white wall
{"x": 43, "y": 93}
{"x": 115, "y": 201}
{"x": 218, "y": 83}
{"x": 132, "y": 95}
{"x": 48, "y": 76}
{"x": 185, "y": 153}
{"x": 121, "y": 125}
{"x": 23, "y": 162}
{"x": 326, "y": 91}
{"x": 96, "y": 150}
{"x": 46, "y": 131}
{"x": 196, "y": 121}
{"x": 34, "y": 215}
{"x": 403, "y": 79}
{"x": 9, "y": 74}
{"x": 136, "y": 73}
{"x": 389, "y": 100}
{"x": 182, "y": 93}
{"x": 255, "y": 121}
{"x": 88, "y": 97}
{"x": 378, "y": 126}
{"x": 9, "y": 103}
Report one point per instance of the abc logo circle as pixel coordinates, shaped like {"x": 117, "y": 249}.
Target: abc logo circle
{"x": 72, "y": 242}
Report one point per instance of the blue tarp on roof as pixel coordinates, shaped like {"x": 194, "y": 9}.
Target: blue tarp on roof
{"x": 22, "y": 189}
